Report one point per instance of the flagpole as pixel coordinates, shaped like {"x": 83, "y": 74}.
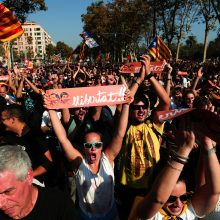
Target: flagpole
{"x": 9, "y": 55}
{"x": 12, "y": 56}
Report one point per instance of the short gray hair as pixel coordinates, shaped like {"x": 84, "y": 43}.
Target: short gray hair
{"x": 14, "y": 158}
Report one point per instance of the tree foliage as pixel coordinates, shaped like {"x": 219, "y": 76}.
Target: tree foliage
{"x": 122, "y": 25}
{"x": 209, "y": 17}
{"x": 50, "y": 51}
{"x": 63, "y": 49}
{"x": 117, "y": 25}
{"x": 216, "y": 7}
{"x": 22, "y": 8}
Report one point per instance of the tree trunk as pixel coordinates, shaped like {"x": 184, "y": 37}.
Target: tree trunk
{"x": 205, "y": 44}
{"x": 178, "y": 49}
{"x": 154, "y": 21}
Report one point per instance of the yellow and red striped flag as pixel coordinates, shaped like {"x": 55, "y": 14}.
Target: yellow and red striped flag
{"x": 10, "y": 27}
{"x": 159, "y": 50}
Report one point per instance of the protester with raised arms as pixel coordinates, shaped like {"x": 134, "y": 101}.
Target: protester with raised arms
{"x": 94, "y": 172}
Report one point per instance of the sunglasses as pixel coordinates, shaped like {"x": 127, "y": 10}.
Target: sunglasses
{"x": 183, "y": 198}
{"x": 138, "y": 107}
{"x": 82, "y": 108}
{"x": 89, "y": 145}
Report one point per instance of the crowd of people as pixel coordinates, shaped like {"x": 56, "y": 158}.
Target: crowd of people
{"x": 115, "y": 161}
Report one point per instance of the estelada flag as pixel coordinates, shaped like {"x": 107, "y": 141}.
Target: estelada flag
{"x": 10, "y": 27}
{"x": 159, "y": 50}
{"x": 89, "y": 40}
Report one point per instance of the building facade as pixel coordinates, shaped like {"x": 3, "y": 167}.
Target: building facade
{"x": 32, "y": 44}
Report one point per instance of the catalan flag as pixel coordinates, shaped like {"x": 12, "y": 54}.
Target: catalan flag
{"x": 10, "y": 27}
{"x": 159, "y": 50}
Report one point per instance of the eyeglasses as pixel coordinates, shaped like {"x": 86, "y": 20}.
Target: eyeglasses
{"x": 183, "y": 198}
{"x": 89, "y": 145}
{"x": 138, "y": 107}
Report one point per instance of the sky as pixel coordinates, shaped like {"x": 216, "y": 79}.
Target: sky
{"x": 62, "y": 21}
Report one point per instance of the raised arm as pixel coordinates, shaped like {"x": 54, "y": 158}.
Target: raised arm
{"x": 114, "y": 147}
{"x": 167, "y": 179}
{"x": 71, "y": 153}
{"x": 20, "y": 87}
{"x": 168, "y": 79}
{"x": 207, "y": 193}
{"x": 65, "y": 115}
{"x": 33, "y": 87}
{"x": 77, "y": 71}
{"x": 63, "y": 69}
{"x": 164, "y": 100}
{"x": 137, "y": 82}
{"x": 10, "y": 82}
{"x": 199, "y": 76}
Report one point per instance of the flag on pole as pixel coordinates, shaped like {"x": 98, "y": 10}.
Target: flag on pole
{"x": 159, "y": 50}
{"x": 90, "y": 42}
{"x": 77, "y": 49}
{"x": 10, "y": 27}
{"x": 82, "y": 52}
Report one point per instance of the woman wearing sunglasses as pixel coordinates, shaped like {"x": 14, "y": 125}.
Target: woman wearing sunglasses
{"x": 93, "y": 171}
{"x": 168, "y": 198}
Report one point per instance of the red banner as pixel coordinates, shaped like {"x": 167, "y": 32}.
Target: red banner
{"x": 170, "y": 114}
{"x": 204, "y": 122}
{"x": 134, "y": 67}
{"x": 86, "y": 96}
{"x": 4, "y": 78}
{"x": 180, "y": 73}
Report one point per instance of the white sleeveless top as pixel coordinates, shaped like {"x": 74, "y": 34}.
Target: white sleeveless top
{"x": 215, "y": 214}
{"x": 95, "y": 191}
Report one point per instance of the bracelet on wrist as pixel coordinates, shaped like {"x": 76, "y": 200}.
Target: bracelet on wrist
{"x": 208, "y": 151}
{"x": 177, "y": 155}
{"x": 149, "y": 76}
{"x": 169, "y": 79}
{"x": 135, "y": 81}
{"x": 178, "y": 158}
{"x": 174, "y": 168}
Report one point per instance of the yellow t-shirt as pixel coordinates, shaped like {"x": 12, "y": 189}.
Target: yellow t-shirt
{"x": 139, "y": 154}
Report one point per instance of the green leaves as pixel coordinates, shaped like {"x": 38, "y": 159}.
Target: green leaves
{"x": 21, "y": 8}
